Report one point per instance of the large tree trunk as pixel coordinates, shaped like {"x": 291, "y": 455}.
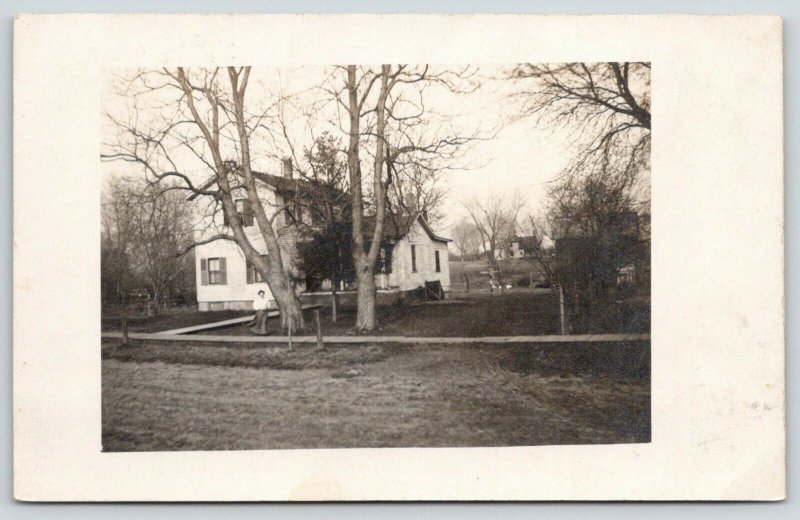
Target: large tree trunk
{"x": 288, "y": 302}
{"x": 291, "y": 311}
{"x": 365, "y": 315}
{"x": 278, "y": 279}
{"x": 365, "y": 258}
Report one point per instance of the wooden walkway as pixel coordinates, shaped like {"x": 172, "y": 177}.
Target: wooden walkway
{"x": 354, "y": 340}
{"x": 208, "y": 326}
{"x": 225, "y": 323}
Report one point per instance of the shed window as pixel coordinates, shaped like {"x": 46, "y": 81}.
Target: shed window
{"x": 413, "y": 258}
{"x": 438, "y": 265}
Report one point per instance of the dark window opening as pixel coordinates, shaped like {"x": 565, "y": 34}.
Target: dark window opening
{"x": 253, "y": 274}
{"x": 243, "y": 210}
{"x": 295, "y": 213}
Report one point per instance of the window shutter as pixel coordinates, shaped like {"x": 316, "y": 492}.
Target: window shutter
{"x": 248, "y": 213}
{"x": 250, "y": 268}
{"x": 203, "y": 272}
{"x": 223, "y": 273}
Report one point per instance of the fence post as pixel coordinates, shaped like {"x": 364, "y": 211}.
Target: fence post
{"x": 124, "y": 329}
{"x": 290, "y": 331}
{"x": 561, "y": 310}
{"x": 320, "y": 344}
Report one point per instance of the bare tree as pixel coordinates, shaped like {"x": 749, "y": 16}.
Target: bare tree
{"x": 605, "y": 189}
{"x": 206, "y": 127}
{"x": 147, "y": 226}
{"x": 117, "y": 276}
{"x": 605, "y": 105}
{"x": 162, "y": 230}
{"x": 495, "y": 217}
{"x": 467, "y": 239}
{"x": 417, "y": 190}
{"x": 539, "y": 245}
{"x": 396, "y": 149}
{"x": 387, "y": 126}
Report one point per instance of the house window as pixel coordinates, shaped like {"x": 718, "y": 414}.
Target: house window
{"x": 213, "y": 271}
{"x": 253, "y": 274}
{"x": 438, "y": 265}
{"x": 294, "y": 214}
{"x": 413, "y": 258}
{"x": 244, "y": 210}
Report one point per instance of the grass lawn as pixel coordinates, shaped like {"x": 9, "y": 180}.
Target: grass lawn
{"x": 516, "y": 312}
{"x": 205, "y": 397}
{"x": 511, "y": 313}
{"x": 477, "y": 271}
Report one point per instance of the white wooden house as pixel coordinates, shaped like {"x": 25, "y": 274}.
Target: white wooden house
{"x": 225, "y": 280}
{"x": 419, "y": 255}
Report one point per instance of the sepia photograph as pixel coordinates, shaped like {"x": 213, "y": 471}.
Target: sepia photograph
{"x": 355, "y": 256}
{"x": 411, "y": 257}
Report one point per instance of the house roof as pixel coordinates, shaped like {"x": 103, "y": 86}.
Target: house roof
{"x": 396, "y": 226}
{"x": 281, "y": 184}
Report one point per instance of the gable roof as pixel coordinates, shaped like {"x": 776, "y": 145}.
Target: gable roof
{"x": 396, "y": 226}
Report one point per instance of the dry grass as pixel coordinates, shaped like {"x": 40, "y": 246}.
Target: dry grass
{"x": 158, "y": 397}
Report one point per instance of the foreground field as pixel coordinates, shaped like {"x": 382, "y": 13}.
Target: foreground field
{"x": 201, "y": 397}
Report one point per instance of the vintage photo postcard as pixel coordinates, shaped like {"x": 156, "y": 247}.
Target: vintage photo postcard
{"x": 363, "y": 257}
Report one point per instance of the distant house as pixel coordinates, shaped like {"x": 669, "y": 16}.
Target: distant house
{"x": 516, "y": 247}
{"x": 226, "y": 280}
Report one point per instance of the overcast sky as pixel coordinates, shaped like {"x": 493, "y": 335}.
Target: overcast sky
{"x": 522, "y": 157}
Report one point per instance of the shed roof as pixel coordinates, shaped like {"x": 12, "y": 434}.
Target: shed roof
{"x": 396, "y": 226}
